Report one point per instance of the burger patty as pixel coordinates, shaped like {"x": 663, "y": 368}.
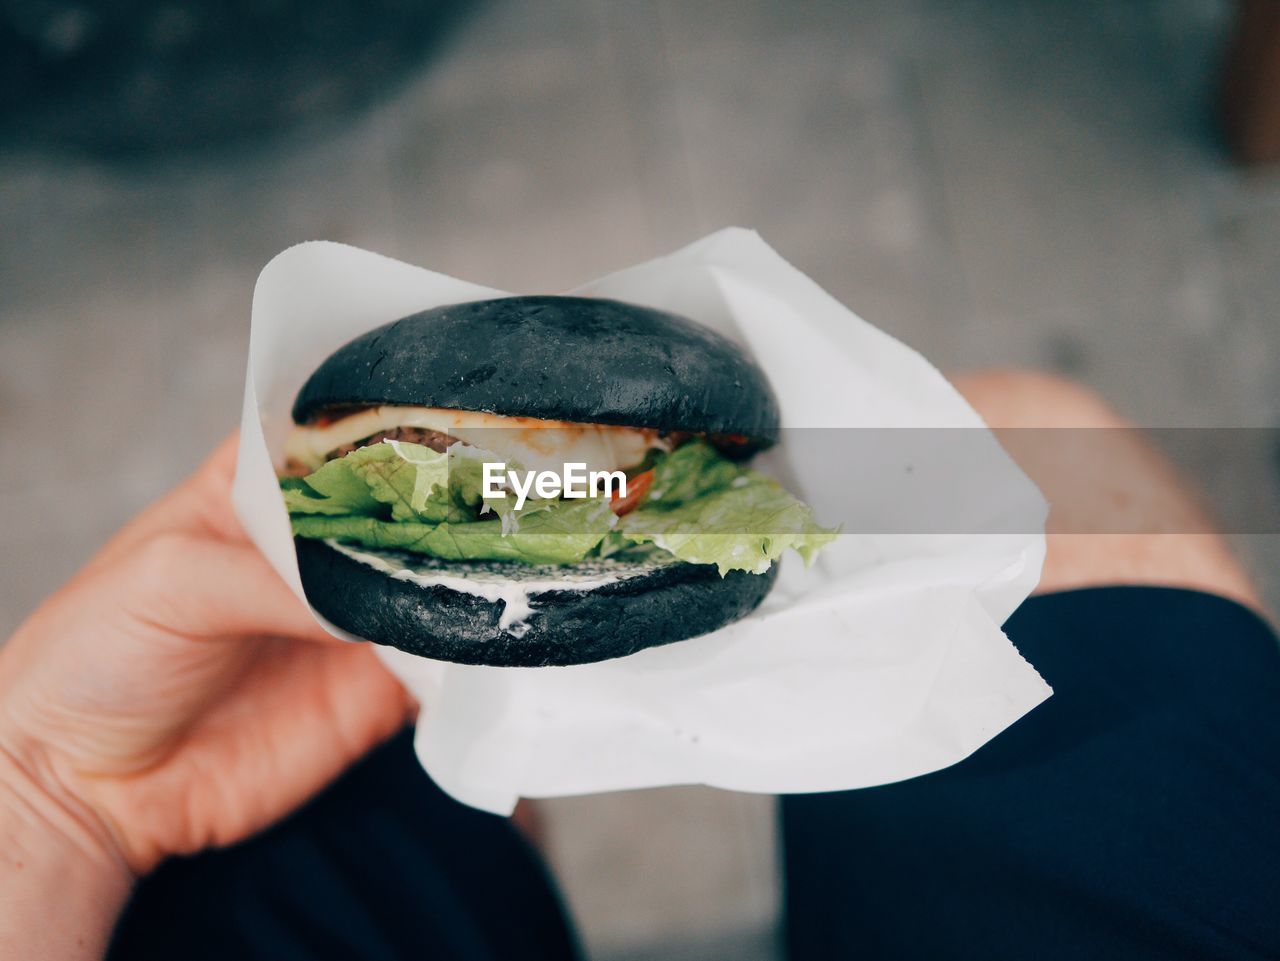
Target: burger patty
{"x": 437, "y": 440}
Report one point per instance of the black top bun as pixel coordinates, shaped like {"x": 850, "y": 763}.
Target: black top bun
{"x": 580, "y": 359}
{"x": 557, "y": 358}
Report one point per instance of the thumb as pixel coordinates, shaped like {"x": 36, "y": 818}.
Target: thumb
{"x": 199, "y": 587}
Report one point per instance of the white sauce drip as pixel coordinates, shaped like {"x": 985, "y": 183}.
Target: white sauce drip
{"x": 512, "y": 583}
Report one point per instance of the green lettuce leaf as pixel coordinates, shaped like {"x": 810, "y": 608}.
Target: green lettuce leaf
{"x": 403, "y": 482}
{"x": 688, "y": 472}
{"x": 466, "y": 484}
{"x": 707, "y": 510}
{"x": 700, "y": 508}
{"x": 564, "y": 534}
{"x": 410, "y": 479}
{"x": 333, "y": 489}
{"x": 412, "y": 482}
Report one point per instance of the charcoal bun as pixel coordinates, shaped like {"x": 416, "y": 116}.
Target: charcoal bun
{"x": 669, "y": 603}
{"x": 580, "y": 359}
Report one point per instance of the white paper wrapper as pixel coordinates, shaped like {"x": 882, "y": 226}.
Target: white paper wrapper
{"x": 883, "y": 661}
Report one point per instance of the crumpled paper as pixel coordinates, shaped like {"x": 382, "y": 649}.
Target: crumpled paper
{"x": 883, "y": 661}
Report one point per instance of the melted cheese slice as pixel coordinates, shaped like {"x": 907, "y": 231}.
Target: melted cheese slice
{"x": 534, "y": 444}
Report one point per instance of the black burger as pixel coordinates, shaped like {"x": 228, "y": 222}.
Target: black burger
{"x": 535, "y": 481}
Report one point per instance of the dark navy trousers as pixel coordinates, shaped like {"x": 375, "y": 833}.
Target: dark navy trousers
{"x": 1135, "y": 814}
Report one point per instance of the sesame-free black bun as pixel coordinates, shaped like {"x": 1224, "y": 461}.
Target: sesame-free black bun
{"x": 577, "y": 359}
{"x": 580, "y": 359}
{"x": 646, "y": 608}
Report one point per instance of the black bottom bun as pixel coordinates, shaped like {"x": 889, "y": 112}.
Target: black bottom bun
{"x": 661, "y": 605}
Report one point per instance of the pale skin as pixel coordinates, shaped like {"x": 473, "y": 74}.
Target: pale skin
{"x": 175, "y": 695}
{"x": 1159, "y": 532}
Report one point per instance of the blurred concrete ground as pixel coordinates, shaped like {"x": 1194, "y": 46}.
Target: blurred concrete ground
{"x": 994, "y": 183}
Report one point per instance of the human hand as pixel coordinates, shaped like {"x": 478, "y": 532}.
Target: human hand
{"x": 175, "y": 695}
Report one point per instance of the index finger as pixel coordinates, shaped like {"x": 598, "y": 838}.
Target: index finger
{"x": 199, "y": 505}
